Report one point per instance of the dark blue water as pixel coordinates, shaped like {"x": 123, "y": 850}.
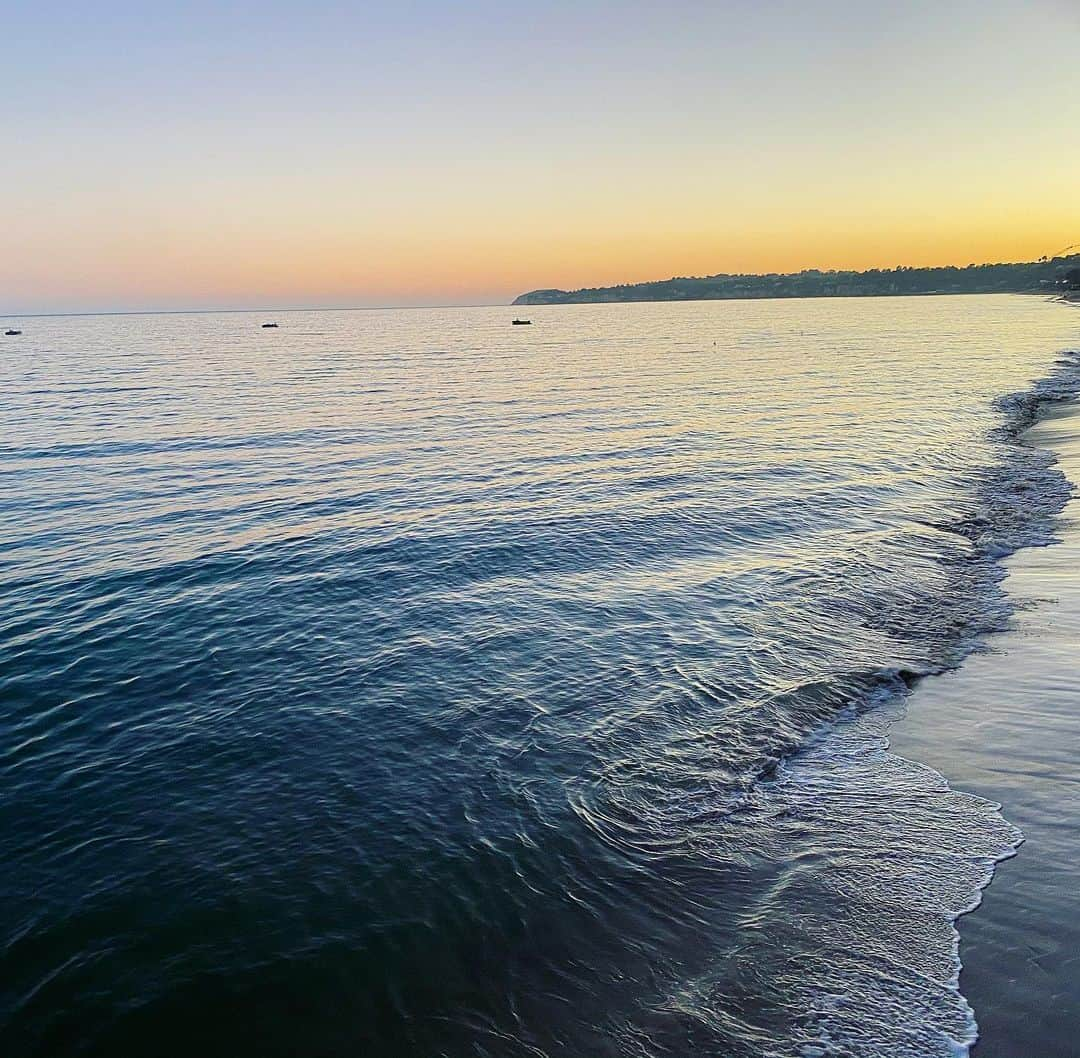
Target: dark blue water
{"x": 400, "y": 683}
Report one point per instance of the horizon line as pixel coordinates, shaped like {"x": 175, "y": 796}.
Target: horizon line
{"x": 293, "y": 308}
{"x": 1061, "y": 254}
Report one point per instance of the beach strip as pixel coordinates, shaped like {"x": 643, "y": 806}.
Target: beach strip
{"x": 1006, "y": 726}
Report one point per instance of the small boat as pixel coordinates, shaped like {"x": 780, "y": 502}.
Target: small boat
{"x": 521, "y": 323}
{"x": 269, "y": 324}
{"x": 12, "y": 331}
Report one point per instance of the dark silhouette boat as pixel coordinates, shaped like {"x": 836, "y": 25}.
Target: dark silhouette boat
{"x": 521, "y": 323}
{"x": 12, "y": 331}
{"x": 269, "y": 324}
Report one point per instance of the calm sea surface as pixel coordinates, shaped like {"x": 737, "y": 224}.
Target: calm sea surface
{"x": 405, "y": 683}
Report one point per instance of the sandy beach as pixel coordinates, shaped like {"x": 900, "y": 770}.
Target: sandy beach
{"x": 1006, "y": 726}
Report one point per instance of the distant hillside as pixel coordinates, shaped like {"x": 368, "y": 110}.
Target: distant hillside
{"x": 1048, "y": 275}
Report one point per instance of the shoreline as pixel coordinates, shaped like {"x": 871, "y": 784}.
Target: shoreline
{"x": 1005, "y": 726}
{"x": 1047, "y": 275}
{"x": 1048, "y": 295}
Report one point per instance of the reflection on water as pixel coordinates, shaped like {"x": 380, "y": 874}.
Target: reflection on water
{"x": 408, "y": 683}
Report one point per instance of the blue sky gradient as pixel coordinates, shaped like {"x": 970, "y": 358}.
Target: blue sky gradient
{"x": 170, "y": 155}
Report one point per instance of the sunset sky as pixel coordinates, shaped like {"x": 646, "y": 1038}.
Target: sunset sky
{"x": 284, "y": 154}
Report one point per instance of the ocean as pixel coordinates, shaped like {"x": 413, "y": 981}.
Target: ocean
{"x": 405, "y": 683}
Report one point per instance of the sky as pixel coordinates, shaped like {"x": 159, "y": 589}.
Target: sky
{"x": 247, "y": 155}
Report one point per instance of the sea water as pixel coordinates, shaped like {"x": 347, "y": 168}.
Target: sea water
{"x": 403, "y": 683}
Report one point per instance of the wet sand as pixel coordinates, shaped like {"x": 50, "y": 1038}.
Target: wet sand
{"x": 1006, "y": 725}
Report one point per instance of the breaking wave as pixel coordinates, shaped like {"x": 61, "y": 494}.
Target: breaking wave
{"x": 850, "y": 948}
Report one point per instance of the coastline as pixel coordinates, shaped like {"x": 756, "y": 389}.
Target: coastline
{"x": 1006, "y": 726}
{"x": 1045, "y": 276}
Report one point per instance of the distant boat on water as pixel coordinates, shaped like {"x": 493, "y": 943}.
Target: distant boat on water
{"x": 12, "y": 331}
{"x": 269, "y": 324}
{"x": 521, "y": 323}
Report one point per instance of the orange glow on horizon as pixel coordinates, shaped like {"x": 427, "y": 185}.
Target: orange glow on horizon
{"x": 298, "y": 271}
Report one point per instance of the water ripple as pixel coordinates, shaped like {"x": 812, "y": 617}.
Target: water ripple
{"x": 400, "y": 684}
